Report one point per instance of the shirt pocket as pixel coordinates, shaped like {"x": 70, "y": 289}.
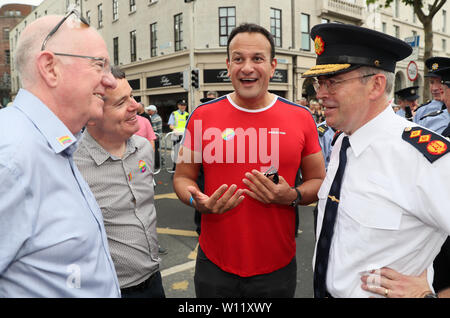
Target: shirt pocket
{"x": 373, "y": 219}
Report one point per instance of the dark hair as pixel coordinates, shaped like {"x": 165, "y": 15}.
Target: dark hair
{"x": 252, "y": 28}
{"x": 117, "y": 72}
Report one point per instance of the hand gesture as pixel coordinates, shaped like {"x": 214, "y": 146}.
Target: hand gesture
{"x": 222, "y": 200}
{"x": 263, "y": 189}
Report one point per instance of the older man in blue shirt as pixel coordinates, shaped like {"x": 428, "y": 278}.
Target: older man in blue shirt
{"x": 52, "y": 237}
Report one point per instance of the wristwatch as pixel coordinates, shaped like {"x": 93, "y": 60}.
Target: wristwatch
{"x": 297, "y": 199}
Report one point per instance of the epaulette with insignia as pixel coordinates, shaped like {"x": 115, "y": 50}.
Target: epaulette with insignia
{"x": 322, "y": 129}
{"x": 336, "y": 135}
{"x": 433, "y": 146}
{"x": 432, "y": 114}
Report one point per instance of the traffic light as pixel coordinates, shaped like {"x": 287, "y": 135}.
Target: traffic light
{"x": 184, "y": 79}
{"x": 194, "y": 78}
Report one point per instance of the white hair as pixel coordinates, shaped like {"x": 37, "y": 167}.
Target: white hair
{"x": 390, "y": 77}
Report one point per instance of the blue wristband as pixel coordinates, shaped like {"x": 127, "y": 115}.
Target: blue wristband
{"x": 191, "y": 201}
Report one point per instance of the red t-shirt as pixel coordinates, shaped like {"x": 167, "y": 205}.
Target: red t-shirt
{"x": 253, "y": 238}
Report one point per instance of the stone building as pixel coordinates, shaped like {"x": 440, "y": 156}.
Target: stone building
{"x": 156, "y": 41}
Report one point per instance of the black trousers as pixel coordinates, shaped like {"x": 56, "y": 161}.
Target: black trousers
{"x": 151, "y": 288}
{"x": 212, "y": 282}
{"x": 441, "y": 267}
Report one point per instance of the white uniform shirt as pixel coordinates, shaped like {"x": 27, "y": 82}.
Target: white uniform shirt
{"x": 394, "y": 209}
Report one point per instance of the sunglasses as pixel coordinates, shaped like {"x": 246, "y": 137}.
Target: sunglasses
{"x": 103, "y": 63}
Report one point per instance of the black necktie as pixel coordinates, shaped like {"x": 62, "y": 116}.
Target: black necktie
{"x": 329, "y": 218}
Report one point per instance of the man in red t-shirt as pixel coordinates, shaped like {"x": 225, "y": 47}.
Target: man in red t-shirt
{"x": 247, "y": 240}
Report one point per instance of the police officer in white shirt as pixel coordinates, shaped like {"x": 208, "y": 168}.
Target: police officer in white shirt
{"x": 412, "y": 286}
{"x": 389, "y": 207}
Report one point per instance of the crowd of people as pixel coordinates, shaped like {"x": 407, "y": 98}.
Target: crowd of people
{"x": 77, "y": 212}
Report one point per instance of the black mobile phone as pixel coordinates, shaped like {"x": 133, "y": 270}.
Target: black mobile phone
{"x": 272, "y": 174}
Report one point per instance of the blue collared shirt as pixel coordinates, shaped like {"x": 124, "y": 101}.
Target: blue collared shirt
{"x": 426, "y": 109}
{"x": 436, "y": 122}
{"x": 325, "y": 140}
{"x": 52, "y": 238}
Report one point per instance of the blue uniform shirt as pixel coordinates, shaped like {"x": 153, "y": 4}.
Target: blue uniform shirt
{"x": 52, "y": 237}
{"x": 426, "y": 109}
{"x": 326, "y": 135}
{"x": 401, "y": 112}
{"x": 437, "y": 120}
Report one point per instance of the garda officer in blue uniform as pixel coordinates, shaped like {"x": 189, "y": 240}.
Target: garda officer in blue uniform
{"x": 326, "y": 134}
{"x": 428, "y": 109}
{"x": 407, "y": 100}
{"x": 441, "y": 263}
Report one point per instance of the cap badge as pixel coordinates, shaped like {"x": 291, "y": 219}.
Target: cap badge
{"x": 435, "y": 66}
{"x": 319, "y": 45}
{"x": 377, "y": 63}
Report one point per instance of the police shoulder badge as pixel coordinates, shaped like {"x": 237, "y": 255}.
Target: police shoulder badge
{"x": 322, "y": 129}
{"x": 430, "y": 144}
{"x": 319, "y": 45}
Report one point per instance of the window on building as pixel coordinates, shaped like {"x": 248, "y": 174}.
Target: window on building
{"x": 275, "y": 25}
{"x": 305, "y": 40}
{"x": 384, "y": 27}
{"x": 324, "y": 20}
{"x": 115, "y": 13}
{"x": 178, "y": 31}
{"x": 116, "y": 50}
{"x": 132, "y": 5}
{"x": 444, "y": 21}
{"x": 227, "y": 22}
{"x": 444, "y": 45}
{"x": 153, "y": 39}
{"x": 6, "y": 33}
{"x": 133, "y": 46}
{"x": 396, "y": 8}
{"x": 100, "y": 16}
{"x": 88, "y": 16}
{"x": 7, "y": 57}
{"x": 397, "y": 31}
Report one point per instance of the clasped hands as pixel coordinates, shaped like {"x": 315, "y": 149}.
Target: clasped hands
{"x": 226, "y": 197}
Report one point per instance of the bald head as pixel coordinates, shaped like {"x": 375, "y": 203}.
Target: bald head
{"x": 68, "y": 37}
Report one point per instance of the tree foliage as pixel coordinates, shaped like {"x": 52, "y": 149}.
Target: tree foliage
{"x": 425, "y": 19}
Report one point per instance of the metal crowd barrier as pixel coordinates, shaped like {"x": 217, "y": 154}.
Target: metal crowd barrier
{"x": 158, "y": 153}
{"x": 166, "y": 153}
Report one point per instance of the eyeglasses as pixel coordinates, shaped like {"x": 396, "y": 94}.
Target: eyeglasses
{"x": 331, "y": 85}
{"x": 53, "y": 31}
{"x": 102, "y": 62}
